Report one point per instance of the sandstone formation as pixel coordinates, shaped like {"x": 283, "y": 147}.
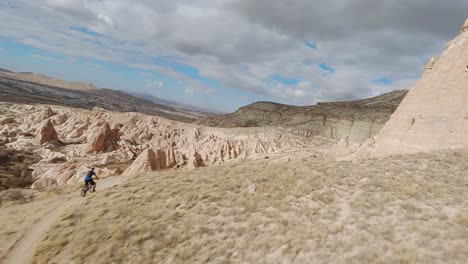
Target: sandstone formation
{"x": 103, "y": 140}
{"x": 148, "y": 161}
{"x": 111, "y": 141}
{"x": 353, "y": 121}
{"x": 434, "y": 114}
{"x": 431, "y": 63}
{"x": 48, "y": 112}
{"x": 197, "y": 160}
{"x": 47, "y": 134}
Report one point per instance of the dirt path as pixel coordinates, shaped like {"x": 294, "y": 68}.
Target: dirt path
{"x": 23, "y": 250}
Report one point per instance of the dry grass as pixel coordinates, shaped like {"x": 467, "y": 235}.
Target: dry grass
{"x": 405, "y": 209}
{"x": 15, "y": 196}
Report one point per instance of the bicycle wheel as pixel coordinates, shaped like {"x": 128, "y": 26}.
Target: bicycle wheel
{"x": 84, "y": 190}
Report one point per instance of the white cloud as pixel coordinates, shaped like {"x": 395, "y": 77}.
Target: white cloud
{"x": 156, "y": 84}
{"x": 241, "y": 43}
{"x": 47, "y": 58}
{"x": 190, "y": 90}
{"x": 146, "y": 74}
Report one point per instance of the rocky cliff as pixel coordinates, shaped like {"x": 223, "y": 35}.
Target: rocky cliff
{"x": 434, "y": 114}
{"x": 353, "y": 121}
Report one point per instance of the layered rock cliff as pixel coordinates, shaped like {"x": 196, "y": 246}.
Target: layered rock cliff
{"x": 353, "y": 121}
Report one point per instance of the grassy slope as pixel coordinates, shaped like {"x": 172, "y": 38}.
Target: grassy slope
{"x": 403, "y": 209}
{"x": 408, "y": 209}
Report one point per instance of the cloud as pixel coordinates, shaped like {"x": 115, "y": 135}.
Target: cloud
{"x": 146, "y": 74}
{"x": 47, "y": 58}
{"x": 238, "y": 45}
{"x": 155, "y": 84}
{"x": 190, "y": 90}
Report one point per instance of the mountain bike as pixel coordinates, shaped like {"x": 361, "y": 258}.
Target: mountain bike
{"x": 86, "y": 188}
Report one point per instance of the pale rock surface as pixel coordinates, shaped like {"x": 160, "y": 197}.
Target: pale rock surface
{"x": 103, "y": 140}
{"x": 48, "y": 112}
{"x": 43, "y": 183}
{"x": 431, "y": 63}
{"x": 465, "y": 26}
{"x": 148, "y": 161}
{"x": 47, "y": 134}
{"x": 112, "y": 140}
{"x": 197, "y": 160}
{"x": 434, "y": 114}
{"x": 353, "y": 121}
{"x": 252, "y": 188}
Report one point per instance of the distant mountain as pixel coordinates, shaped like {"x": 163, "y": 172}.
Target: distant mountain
{"x": 353, "y": 120}
{"x": 46, "y": 80}
{"x": 130, "y": 97}
{"x": 16, "y": 90}
{"x": 177, "y": 105}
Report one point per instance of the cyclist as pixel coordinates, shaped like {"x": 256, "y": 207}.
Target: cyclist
{"x": 89, "y": 179}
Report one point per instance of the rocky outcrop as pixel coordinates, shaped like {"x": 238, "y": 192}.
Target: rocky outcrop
{"x": 47, "y": 134}
{"x": 434, "y": 114}
{"x": 104, "y": 140}
{"x": 147, "y": 161}
{"x": 110, "y": 141}
{"x": 43, "y": 183}
{"x": 431, "y": 63}
{"x": 197, "y": 160}
{"x": 354, "y": 121}
{"x": 48, "y": 112}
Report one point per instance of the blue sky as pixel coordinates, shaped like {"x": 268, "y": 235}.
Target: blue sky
{"x": 23, "y": 58}
{"x": 223, "y": 55}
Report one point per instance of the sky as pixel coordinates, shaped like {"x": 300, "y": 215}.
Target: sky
{"x": 223, "y": 54}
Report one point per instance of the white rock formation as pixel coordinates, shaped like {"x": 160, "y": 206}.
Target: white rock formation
{"x": 148, "y": 161}
{"x": 47, "y": 134}
{"x": 434, "y": 114}
{"x": 103, "y": 140}
{"x": 111, "y": 140}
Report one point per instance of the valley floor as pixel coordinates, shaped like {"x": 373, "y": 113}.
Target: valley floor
{"x": 300, "y": 208}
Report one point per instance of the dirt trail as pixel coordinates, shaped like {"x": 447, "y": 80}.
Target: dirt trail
{"x": 23, "y": 250}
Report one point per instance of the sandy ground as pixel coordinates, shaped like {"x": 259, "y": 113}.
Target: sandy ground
{"x": 301, "y": 207}
{"x": 21, "y": 246}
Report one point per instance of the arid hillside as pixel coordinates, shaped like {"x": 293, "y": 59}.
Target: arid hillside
{"x": 295, "y": 207}
{"x": 46, "y": 80}
{"x": 20, "y": 91}
{"x": 354, "y": 120}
